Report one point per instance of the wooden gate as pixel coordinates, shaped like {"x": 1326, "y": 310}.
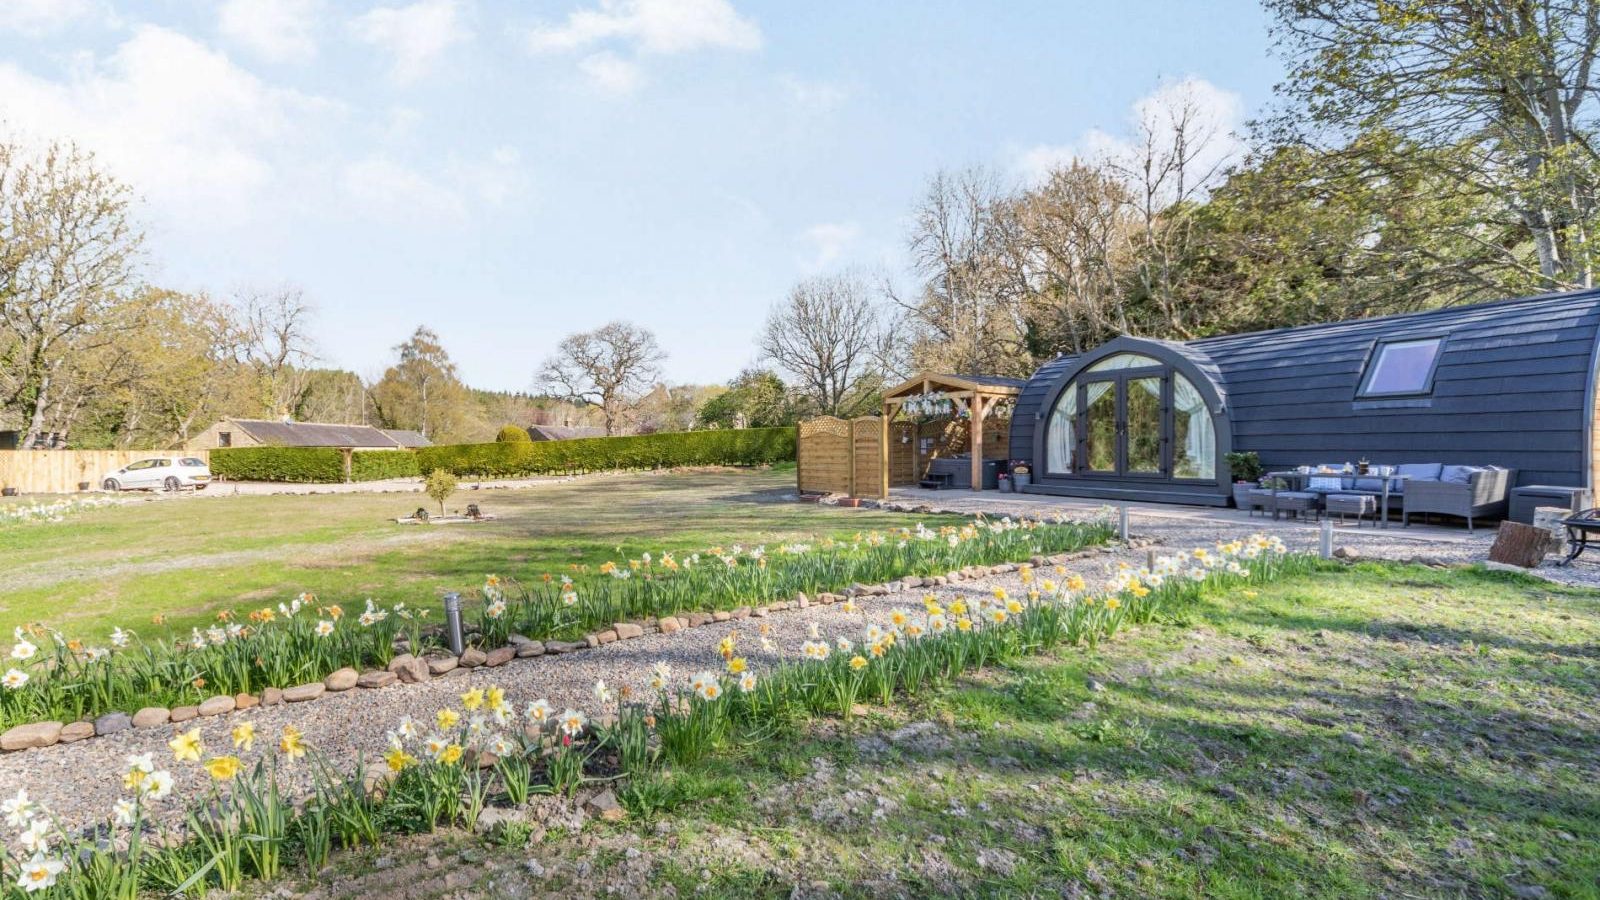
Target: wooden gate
{"x": 866, "y": 442}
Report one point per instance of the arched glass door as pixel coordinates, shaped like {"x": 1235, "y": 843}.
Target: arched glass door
{"x": 1131, "y": 416}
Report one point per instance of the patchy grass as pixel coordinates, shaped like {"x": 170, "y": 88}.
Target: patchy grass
{"x": 190, "y": 557}
{"x": 1363, "y": 732}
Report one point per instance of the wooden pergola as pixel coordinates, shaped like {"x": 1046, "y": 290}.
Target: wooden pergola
{"x": 976, "y": 395}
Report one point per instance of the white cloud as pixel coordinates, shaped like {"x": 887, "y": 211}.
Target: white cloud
{"x": 642, "y": 28}
{"x": 814, "y": 96}
{"x": 178, "y": 121}
{"x": 276, "y": 30}
{"x": 652, "y": 26}
{"x": 1210, "y": 117}
{"x": 828, "y": 241}
{"x": 611, "y": 73}
{"x": 39, "y": 17}
{"x": 414, "y": 36}
{"x": 386, "y": 189}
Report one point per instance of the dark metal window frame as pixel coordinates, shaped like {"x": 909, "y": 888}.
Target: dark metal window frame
{"x": 1375, "y": 355}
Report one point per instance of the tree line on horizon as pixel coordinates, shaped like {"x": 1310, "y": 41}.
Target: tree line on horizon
{"x": 1419, "y": 154}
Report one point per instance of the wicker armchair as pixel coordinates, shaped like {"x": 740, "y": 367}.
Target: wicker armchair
{"x": 1486, "y": 494}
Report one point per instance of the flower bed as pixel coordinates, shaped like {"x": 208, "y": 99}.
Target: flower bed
{"x": 56, "y": 678}
{"x": 447, "y": 770}
{"x": 53, "y": 511}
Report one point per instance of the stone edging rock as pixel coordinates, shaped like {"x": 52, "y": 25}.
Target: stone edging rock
{"x": 408, "y": 669}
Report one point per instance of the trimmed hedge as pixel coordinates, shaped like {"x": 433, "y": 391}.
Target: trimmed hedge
{"x": 325, "y": 465}
{"x": 378, "y": 465}
{"x": 314, "y": 465}
{"x": 724, "y": 447}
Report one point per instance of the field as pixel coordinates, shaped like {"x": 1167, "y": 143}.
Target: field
{"x": 1363, "y": 732}
{"x": 187, "y": 559}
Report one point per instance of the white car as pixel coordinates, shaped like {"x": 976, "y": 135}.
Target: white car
{"x": 163, "y": 473}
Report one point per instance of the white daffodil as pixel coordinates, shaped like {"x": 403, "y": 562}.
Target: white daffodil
{"x": 39, "y": 873}
{"x": 18, "y": 809}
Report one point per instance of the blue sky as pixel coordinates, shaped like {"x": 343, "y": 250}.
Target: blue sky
{"x": 507, "y": 173}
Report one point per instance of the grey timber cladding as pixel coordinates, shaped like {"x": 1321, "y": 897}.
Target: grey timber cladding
{"x": 1512, "y": 387}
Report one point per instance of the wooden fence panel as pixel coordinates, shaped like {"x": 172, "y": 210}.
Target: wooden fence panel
{"x": 60, "y": 471}
{"x": 866, "y": 442}
{"x": 823, "y": 456}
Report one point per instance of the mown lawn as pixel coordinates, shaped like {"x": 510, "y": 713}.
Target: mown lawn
{"x": 187, "y": 559}
{"x": 1364, "y": 732}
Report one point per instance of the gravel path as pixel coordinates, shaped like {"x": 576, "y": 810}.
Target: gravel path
{"x": 79, "y": 782}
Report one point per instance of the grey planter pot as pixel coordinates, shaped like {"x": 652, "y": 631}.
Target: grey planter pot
{"x": 1241, "y": 494}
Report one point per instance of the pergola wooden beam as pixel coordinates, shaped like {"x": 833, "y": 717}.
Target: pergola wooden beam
{"x": 977, "y": 395}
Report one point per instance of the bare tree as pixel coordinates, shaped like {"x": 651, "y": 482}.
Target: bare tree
{"x": 1181, "y": 151}
{"x": 67, "y": 262}
{"x": 968, "y": 313}
{"x": 611, "y": 367}
{"x": 276, "y": 327}
{"x": 827, "y": 333}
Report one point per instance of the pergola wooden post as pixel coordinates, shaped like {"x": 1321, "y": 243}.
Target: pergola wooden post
{"x": 977, "y": 394}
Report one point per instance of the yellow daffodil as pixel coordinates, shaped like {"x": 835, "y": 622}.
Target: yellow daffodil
{"x": 447, "y": 718}
{"x": 293, "y": 744}
{"x": 398, "y": 759}
{"x": 858, "y": 662}
{"x": 472, "y": 700}
{"x": 223, "y": 768}
{"x": 736, "y": 665}
{"x": 244, "y": 735}
{"x": 187, "y": 746}
{"x": 495, "y": 697}
{"x": 451, "y": 754}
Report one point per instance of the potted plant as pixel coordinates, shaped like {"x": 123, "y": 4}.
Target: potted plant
{"x": 1020, "y": 475}
{"x": 83, "y": 472}
{"x": 8, "y": 491}
{"x": 1246, "y": 469}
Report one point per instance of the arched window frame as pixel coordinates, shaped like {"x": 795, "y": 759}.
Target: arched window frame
{"x": 1163, "y": 359}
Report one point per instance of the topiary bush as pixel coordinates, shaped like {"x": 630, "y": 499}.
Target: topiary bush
{"x": 723, "y": 447}
{"x": 379, "y": 465}
{"x": 513, "y": 434}
{"x": 312, "y": 465}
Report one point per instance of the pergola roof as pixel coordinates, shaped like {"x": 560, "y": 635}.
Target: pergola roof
{"x": 930, "y": 383}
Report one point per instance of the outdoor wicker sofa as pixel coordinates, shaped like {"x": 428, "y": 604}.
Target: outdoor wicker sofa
{"x": 1466, "y": 491}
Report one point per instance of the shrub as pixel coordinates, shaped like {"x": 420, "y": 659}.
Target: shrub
{"x": 317, "y": 465}
{"x": 440, "y": 485}
{"x": 513, "y": 434}
{"x": 377, "y": 465}
{"x": 723, "y": 447}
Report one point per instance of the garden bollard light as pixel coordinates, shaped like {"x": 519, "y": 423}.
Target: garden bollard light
{"x": 1122, "y": 522}
{"x": 452, "y": 623}
{"x": 1327, "y": 539}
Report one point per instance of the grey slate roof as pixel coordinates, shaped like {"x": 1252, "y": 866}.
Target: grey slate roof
{"x": 564, "y": 432}
{"x": 314, "y": 434}
{"x": 406, "y": 438}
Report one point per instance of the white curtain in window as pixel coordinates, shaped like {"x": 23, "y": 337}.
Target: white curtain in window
{"x": 1200, "y": 447}
{"x": 1060, "y": 437}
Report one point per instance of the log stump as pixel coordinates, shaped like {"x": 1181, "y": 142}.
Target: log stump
{"x": 1520, "y": 545}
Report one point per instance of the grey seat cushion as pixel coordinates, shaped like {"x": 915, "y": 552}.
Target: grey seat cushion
{"x": 1373, "y": 485}
{"x": 1458, "y": 474}
{"x": 1420, "y": 472}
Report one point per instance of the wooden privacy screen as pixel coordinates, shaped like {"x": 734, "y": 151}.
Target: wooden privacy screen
{"x": 59, "y": 471}
{"x": 837, "y": 456}
{"x": 823, "y": 456}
